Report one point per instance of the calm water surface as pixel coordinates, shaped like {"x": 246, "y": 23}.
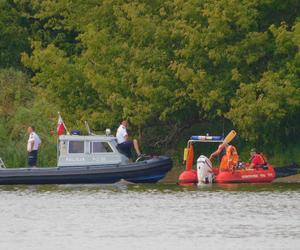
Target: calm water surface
{"x": 150, "y": 217}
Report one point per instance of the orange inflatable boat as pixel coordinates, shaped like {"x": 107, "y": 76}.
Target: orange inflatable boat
{"x": 205, "y": 173}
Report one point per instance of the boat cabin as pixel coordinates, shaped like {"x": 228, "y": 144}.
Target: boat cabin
{"x": 91, "y": 150}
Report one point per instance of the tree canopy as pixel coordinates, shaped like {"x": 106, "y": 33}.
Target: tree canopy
{"x": 164, "y": 65}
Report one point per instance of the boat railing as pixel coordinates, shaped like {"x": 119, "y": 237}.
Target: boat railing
{"x": 207, "y": 138}
{"x": 2, "y": 165}
{"x": 201, "y": 139}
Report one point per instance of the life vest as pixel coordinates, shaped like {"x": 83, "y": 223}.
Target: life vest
{"x": 262, "y": 159}
{"x": 230, "y": 159}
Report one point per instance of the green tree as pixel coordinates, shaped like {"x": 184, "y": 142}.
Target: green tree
{"x": 19, "y": 108}
{"x": 166, "y": 65}
{"x": 270, "y": 107}
{"x": 14, "y": 36}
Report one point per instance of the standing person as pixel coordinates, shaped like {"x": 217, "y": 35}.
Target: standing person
{"x": 124, "y": 145}
{"x": 229, "y": 158}
{"x": 33, "y": 145}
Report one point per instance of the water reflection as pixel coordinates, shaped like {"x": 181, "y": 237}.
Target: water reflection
{"x": 164, "y": 188}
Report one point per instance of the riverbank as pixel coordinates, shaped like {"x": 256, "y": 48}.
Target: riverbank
{"x": 289, "y": 179}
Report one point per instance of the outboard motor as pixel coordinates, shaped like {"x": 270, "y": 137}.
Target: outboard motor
{"x": 204, "y": 170}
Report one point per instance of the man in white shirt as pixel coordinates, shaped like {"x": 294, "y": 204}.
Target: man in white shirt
{"x": 33, "y": 145}
{"x": 124, "y": 145}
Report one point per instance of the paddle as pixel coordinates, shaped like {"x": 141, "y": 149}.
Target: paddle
{"x": 229, "y": 137}
{"x": 226, "y": 140}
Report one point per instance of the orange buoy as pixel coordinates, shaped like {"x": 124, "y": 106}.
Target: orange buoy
{"x": 189, "y": 175}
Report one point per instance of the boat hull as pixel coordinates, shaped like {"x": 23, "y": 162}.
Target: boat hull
{"x": 148, "y": 171}
{"x": 261, "y": 175}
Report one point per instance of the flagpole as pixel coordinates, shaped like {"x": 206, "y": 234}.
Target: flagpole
{"x": 57, "y": 149}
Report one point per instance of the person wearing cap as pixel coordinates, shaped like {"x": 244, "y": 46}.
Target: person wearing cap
{"x": 33, "y": 145}
{"x": 229, "y": 157}
{"x": 257, "y": 160}
{"x": 124, "y": 145}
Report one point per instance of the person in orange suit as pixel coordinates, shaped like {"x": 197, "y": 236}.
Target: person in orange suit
{"x": 229, "y": 157}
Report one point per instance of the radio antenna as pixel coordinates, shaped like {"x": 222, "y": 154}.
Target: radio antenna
{"x": 88, "y": 128}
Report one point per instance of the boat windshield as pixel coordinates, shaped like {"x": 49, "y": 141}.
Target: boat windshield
{"x": 76, "y": 147}
{"x": 100, "y": 147}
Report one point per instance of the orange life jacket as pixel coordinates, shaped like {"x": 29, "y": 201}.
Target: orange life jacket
{"x": 230, "y": 159}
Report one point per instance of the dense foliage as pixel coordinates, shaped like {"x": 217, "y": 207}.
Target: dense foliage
{"x": 164, "y": 65}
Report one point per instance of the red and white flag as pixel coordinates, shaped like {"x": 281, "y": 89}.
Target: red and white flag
{"x": 60, "y": 126}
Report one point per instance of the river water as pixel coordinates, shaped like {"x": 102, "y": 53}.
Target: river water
{"x": 158, "y": 216}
